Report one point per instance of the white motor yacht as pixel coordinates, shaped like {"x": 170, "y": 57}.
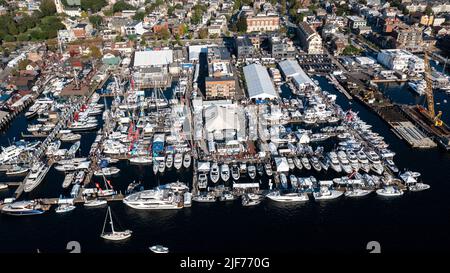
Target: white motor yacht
{"x": 251, "y": 171}
{"x": 214, "y": 173}
{"x": 390, "y": 191}
{"x": 287, "y": 198}
{"x": 326, "y": 194}
{"x": 225, "y": 172}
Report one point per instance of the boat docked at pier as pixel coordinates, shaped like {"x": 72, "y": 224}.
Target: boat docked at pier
{"x": 154, "y": 199}
{"x": 325, "y": 193}
{"x": 35, "y": 177}
{"x": 17, "y": 170}
{"x": 288, "y": 197}
{"x": 24, "y": 208}
{"x": 390, "y": 191}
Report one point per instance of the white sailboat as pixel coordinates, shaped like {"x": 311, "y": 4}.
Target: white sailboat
{"x": 114, "y": 235}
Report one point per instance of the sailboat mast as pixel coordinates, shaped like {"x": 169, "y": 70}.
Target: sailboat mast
{"x": 104, "y": 223}
{"x": 110, "y": 217}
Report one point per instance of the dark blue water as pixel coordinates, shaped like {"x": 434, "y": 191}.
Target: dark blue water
{"x": 411, "y": 223}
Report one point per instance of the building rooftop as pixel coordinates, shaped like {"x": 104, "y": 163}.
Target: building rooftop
{"x": 259, "y": 84}
{"x": 153, "y": 58}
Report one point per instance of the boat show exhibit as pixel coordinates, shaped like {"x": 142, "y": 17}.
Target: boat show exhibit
{"x": 165, "y": 135}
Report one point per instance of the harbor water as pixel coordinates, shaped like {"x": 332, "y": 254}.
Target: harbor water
{"x": 413, "y": 222}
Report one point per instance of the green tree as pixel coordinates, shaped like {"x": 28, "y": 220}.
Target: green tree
{"x": 96, "y": 20}
{"x": 9, "y": 38}
{"x": 95, "y": 52}
{"x": 93, "y": 5}
{"x": 12, "y": 28}
{"x": 23, "y": 37}
{"x": 428, "y": 10}
{"x": 47, "y": 7}
{"x": 164, "y": 34}
{"x": 241, "y": 24}
{"x": 203, "y": 33}
{"x": 122, "y": 5}
{"x": 139, "y": 16}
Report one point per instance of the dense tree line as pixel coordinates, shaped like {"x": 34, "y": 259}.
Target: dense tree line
{"x": 41, "y": 25}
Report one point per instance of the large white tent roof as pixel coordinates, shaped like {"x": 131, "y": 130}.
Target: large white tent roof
{"x": 259, "y": 84}
{"x": 153, "y": 57}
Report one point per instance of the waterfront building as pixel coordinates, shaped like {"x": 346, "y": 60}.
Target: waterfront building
{"x": 400, "y": 60}
{"x": 310, "y": 40}
{"x": 151, "y": 68}
{"x": 259, "y": 84}
{"x": 291, "y": 70}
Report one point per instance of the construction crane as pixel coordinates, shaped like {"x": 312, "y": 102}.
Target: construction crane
{"x": 429, "y": 92}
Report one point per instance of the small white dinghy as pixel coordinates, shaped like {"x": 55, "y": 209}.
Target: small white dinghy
{"x": 159, "y": 249}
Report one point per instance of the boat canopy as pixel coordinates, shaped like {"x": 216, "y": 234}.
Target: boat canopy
{"x": 203, "y": 166}
{"x": 245, "y": 185}
{"x": 326, "y": 183}
{"x": 282, "y": 164}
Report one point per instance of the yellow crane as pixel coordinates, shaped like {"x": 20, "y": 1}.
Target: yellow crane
{"x": 429, "y": 92}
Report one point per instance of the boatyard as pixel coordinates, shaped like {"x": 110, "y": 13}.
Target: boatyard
{"x": 240, "y": 120}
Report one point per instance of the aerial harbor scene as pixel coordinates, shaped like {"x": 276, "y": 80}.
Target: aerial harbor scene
{"x": 224, "y": 126}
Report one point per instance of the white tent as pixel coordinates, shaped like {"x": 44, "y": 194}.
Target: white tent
{"x": 203, "y": 166}
{"x": 282, "y": 164}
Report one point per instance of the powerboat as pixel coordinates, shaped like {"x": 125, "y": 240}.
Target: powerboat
{"x": 326, "y": 194}
{"x": 390, "y": 191}
{"x": 35, "y": 177}
{"x": 178, "y": 161}
{"x": 68, "y": 179}
{"x": 159, "y": 249}
{"x": 227, "y": 197}
{"x": 294, "y": 181}
{"x": 3, "y": 186}
{"x": 187, "y": 160}
{"x": 205, "y": 198}
{"x": 95, "y": 203}
{"x": 283, "y": 180}
{"x": 161, "y": 166}
{"x": 141, "y": 160}
{"x": 251, "y": 171}
{"x": 108, "y": 171}
{"x": 287, "y": 198}
{"x": 225, "y": 172}
{"x": 214, "y": 173}
{"x": 268, "y": 168}
{"x": 64, "y": 208}
{"x": 305, "y": 163}
{"x": 202, "y": 180}
{"x": 334, "y": 162}
{"x": 298, "y": 163}
{"x": 357, "y": 192}
{"x": 377, "y": 168}
{"x": 169, "y": 161}
{"x": 22, "y": 208}
{"x": 154, "y": 199}
{"x": 235, "y": 172}
{"x": 17, "y": 170}
{"x": 248, "y": 201}
{"x": 391, "y": 165}
{"x": 291, "y": 163}
{"x": 315, "y": 163}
